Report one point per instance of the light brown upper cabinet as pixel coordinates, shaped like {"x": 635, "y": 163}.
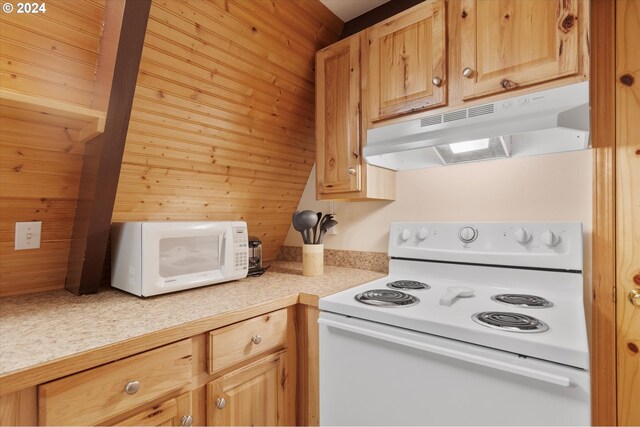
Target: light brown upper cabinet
{"x": 406, "y": 62}
{"x": 338, "y": 117}
{"x": 341, "y": 172}
{"x": 509, "y": 44}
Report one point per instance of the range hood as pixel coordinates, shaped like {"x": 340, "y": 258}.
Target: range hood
{"x": 543, "y": 122}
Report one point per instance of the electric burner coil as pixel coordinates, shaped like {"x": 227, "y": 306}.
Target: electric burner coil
{"x": 523, "y": 300}
{"x": 511, "y": 322}
{"x": 386, "y": 298}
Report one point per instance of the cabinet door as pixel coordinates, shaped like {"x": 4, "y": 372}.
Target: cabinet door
{"x": 173, "y": 412}
{"x": 510, "y": 43}
{"x": 253, "y": 395}
{"x": 407, "y": 62}
{"x": 338, "y": 117}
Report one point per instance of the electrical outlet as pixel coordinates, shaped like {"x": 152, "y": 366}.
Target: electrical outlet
{"x": 28, "y": 235}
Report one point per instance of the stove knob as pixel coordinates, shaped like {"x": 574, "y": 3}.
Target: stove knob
{"x": 404, "y": 235}
{"x": 422, "y": 234}
{"x": 550, "y": 239}
{"x": 522, "y": 235}
{"x": 468, "y": 234}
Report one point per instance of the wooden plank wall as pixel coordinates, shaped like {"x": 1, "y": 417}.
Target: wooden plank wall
{"x": 628, "y": 210}
{"x": 222, "y": 126}
{"x": 52, "y": 55}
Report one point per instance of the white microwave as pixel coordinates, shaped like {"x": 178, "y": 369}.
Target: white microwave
{"x": 152, "y": 258}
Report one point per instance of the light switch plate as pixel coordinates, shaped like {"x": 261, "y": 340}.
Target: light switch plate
{"x": 28, "y": 235}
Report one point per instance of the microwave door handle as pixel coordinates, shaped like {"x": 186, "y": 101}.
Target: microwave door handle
{"x": 454, "y": 354}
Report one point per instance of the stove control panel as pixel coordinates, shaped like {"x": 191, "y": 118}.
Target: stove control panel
{"x": 540, "y": 245}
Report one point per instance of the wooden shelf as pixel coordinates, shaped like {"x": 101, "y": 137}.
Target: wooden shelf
{"x": 83, "y": 123}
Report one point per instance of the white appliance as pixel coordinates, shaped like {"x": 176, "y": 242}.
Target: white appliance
{"x": 151, "y": 258}
{"x": 476, "y": 324}
{"x": 549, "y": 121}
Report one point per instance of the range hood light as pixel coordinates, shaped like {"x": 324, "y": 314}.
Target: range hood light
{"x": 463, "y": 147}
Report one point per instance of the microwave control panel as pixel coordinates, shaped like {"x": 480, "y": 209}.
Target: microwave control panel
{"x": 240, "y": 248}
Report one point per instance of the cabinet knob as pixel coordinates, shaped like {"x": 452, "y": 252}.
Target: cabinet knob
{"x": 467, "y": 72}
{"x": 634, "y": 297}
{"x": 186, "y": 421}
{"x": 437, "y": 81}
{"x": 221, "y": 403}
{"x": 256, "y": 339}
{"x": 352, "y": 170}
{"x": 507, "y": 84}
{"x": 132, "y": 387}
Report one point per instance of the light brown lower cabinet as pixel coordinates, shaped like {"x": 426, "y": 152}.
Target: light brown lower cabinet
{"x": 238, "y": 373}
{"x": 172, "y": 412}
{"x": 252, "y": 395}
{"x": 97, "y": 395}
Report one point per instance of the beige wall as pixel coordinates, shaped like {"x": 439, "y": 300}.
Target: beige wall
{"x": 544, "y": 188}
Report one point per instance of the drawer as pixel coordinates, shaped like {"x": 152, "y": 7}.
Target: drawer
{"x": 95, "y": 395}
{"x": 235, "y": 343}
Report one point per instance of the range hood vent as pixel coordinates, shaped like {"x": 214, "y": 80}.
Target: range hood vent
{"x": 431, "y": 120}
{"x": 481, "y": 110}
{"x": 551, "y": 121}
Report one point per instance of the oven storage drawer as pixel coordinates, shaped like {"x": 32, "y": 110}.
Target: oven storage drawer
{"x": 238, "y": 342}
{"x": 93, "y": 396}
{"x": 374, "y": 374}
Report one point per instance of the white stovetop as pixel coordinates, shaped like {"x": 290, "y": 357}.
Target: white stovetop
{"x": 565, "y": 342}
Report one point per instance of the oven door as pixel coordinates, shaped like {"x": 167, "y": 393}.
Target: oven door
{"x": 375, "y": 374}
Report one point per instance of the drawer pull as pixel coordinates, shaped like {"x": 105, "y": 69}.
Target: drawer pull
{"x": 186, "y": 421}
{"x": 256, "y": 339}
{"x": 221, "y": 403}
{"x": 132, "y": 387}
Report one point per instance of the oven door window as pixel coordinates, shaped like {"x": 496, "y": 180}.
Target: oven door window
{"x": 188, "y": 255}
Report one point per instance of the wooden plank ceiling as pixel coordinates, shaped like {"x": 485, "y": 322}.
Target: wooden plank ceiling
{"x": 51, "y": 55}
{"x": 222, "y": 126}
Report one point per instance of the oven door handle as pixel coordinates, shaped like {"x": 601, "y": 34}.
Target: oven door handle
{"x": 455, "y": 354}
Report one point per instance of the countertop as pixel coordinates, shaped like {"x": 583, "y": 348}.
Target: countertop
{"x": 40, "y": 328}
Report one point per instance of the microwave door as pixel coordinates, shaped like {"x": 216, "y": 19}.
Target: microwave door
{"x": 182, "y": 256}
{"x": 188, "y": 255}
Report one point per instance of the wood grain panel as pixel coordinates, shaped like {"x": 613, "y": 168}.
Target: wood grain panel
{"x": 233, "y": 344}
{"x": 223, "y": 120}
{"x": 168, "y": 413}
{"x": 53, "y": 53}
{"x": 255, "y": 394}
{"x": 19, "y": 408}
{"x": 517, "y": 43}
{"x": 93, "y": 396}
{"x": 308, "y": 398}
{"x": 39, "y": 170}
{"x": 628, "y": 209}
{"x": 52, "y": 56}
{"x": 603, "y": 139}
{"x": 401, "y": 57}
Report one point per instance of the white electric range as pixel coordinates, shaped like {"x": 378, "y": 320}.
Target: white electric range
{"x": 476, "y": 324}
